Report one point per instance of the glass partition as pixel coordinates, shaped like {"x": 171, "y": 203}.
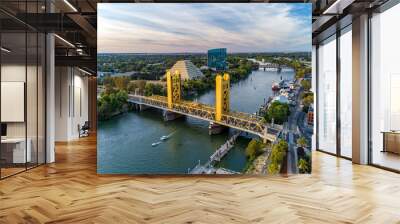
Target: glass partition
{"x": 385, "y": 89}
{"x": 22, "y": 101}
{"x": 327, "y": 95}
{"x": 13, "y": 94}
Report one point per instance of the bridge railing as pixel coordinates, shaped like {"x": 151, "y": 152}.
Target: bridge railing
{"x": 252, "y": 123}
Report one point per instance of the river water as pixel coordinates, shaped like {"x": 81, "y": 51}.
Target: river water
{"x": 124, "y": 143}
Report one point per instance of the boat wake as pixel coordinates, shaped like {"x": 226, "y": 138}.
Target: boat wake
{"x": 163, "y": 138}
{"x": 155, "y": 144}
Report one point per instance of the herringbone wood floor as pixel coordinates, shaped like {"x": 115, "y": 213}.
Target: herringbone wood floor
{"x": 70, "y": 191}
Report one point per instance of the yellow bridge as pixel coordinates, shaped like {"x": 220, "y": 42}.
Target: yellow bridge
{"x": 219, "y": 114}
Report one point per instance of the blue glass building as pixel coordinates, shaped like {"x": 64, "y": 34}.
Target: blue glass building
{"x": 216, "y": 59}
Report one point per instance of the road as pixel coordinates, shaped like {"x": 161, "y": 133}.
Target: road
{"x": 295, "y": 123}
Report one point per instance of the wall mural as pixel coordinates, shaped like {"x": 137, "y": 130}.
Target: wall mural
{"x": 204, "y": 88}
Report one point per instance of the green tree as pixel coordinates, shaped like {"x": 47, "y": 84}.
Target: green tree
{"x": 154, "y": 89}
{"x": 132, "y": 86}
{"x": 306, "y": 84}
{"x": 308, "y": 100}
{"x": 278, "y": 153}
{"x": 277, "y": 111}
{"x": 111, "y": 104}
{"x": 304, "y": 166}
{"x": 121, "y": 82}
{"x": 141, "y": 84}
{"x": 300, "y": 73}
{"x": 108, "y": 80}
{"x": 302, "y": 142}
{"x": 108, "y": 89}
{"x": 307, "y": 70}
{"x": 254, "y": 149}
{"x": 274, "y": 168}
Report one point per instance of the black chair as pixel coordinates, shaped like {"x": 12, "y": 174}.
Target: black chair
{"x": 84, "y": 130}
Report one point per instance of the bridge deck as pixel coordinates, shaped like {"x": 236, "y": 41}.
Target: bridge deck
{"x": 242, "y": 121}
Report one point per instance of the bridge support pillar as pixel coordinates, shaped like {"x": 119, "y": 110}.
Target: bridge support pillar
{"x": 214, "y": 128}
{"x": 264, "y": 140}
{"x": 170, "y": 116}
{"x": 143, "y": 107}
{"x": 221, "y": 95}
{"x": 173, "y": 88}
{"x": 139, "y": 107}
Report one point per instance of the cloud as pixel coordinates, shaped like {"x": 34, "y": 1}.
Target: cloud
{"x": 171, "y": 28}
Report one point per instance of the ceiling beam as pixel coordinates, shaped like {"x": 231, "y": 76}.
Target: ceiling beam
{"x": 85, "y": 25}
{"x": 77, "y": 61}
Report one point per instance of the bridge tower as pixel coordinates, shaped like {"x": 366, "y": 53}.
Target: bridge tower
{"x": 221, "y": 95}
{"x": 173, "y": 88}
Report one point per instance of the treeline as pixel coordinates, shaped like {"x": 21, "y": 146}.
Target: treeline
{"x": 300, "y": 68}
{"x": 269, "y": 56}
{"x": 111, "y": 103}
{"x": 150, "y": 65}
{"x": 153, "y": 67}
{"x": 239, "y": 69}
{"x": 119, "y": 63}
{"x": 144, "y": 87}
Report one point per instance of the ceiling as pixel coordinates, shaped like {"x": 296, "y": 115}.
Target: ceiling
{"x": 75, "y": 21}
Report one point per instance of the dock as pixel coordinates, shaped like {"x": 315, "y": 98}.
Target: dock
{"x": 208, "y": 167}
{"x": 224, "y": 149}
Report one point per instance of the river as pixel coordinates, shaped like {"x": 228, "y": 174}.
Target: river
{"x": 124, "y": 143}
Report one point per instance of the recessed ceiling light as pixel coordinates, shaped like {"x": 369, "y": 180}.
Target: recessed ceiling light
{"x": 70, "y": 5}
{"x": 337, "y": 7}
{"x": 5, "y": 50}
{"x": 64, "y": 40}
{"x": 86, "y": 72}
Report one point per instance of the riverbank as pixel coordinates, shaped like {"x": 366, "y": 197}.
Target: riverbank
{"x": 130, "y": 135}
{"x": 111, "y": 103}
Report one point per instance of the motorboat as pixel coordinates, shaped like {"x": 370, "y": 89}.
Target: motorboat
{"x": 165, "y": 137}
{"x": 155, "y": 144}
{"x": 275, "y": 86}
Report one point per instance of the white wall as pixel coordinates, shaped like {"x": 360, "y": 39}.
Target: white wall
{"x": 71, "y": 102}
{"x": 33, "y": 126}
{"x": 62, "y": 82}
{"x": 12, "y": 73}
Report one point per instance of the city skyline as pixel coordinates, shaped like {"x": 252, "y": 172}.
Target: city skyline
{"x": 144, "y": 28}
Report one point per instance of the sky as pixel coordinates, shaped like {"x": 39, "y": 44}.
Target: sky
{"x": 195, "y": 28}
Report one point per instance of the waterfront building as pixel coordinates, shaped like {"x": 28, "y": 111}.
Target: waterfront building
{"x": 216, "y": 59}
{"x": 187, "y": 70}
{"x": 281, "y": 99}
